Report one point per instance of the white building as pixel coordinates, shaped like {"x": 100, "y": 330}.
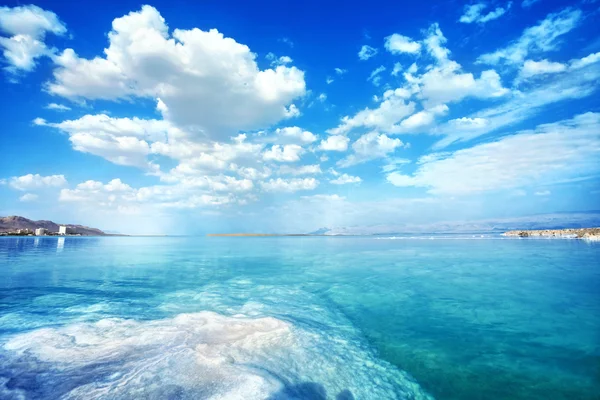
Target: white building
{"x": 64, "y": 230}
{"x": 40, "y": 231}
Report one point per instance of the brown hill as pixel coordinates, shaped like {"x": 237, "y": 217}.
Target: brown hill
{"x": 12, "y": 223}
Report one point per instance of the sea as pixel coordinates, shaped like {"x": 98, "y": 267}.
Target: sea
{"x": 361, "y": 317}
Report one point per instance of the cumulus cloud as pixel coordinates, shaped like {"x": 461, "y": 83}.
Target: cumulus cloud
{"x": 334, "y": 143}
{"x": 392, "y": 109}
{"x": 36, "y": 181}
{"x": 423, "y": 118}
{"x": 286, "y": 153}
{"x": 473, "y": 13}
{"x": 537, "y": 39}
{"x": 289, "y": 185}
{"x": 367, "y": 52}
{"x": 204, "y": 81}
{"x": 283, "y": 60}
{"x": 370, "y": 146}
{"x": 550, "y": 153}
{"x": 26, "y": 27}
{"x": 441, "y": 83}
{"x": 397, "y": 44}
{"x": 543, "y": 67}
{"x": 294, "y": 135}
{"x": 123, "y": 141}
{"x": 340, "y": 71}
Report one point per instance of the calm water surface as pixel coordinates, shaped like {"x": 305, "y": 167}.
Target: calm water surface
{"x": 299, "y": 318}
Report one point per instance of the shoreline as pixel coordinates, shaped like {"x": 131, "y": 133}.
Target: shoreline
{"x": 571, "y": 233}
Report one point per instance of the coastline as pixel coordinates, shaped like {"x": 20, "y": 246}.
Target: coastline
{"x": 572, "y": 233}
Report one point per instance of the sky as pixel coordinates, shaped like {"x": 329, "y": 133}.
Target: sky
{"x": 235, "y": 116}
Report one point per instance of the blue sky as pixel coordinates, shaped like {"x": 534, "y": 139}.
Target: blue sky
{"x": 194, "y": 117}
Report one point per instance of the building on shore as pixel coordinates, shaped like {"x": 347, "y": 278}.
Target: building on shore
{"x": 41, "y": 231}
{"x": 65, "y": 230}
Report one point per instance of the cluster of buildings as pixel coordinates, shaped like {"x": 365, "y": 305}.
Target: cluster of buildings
{"x": 62, "y": 231}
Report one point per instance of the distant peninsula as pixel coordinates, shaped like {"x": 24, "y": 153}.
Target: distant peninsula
{"x": 573, "y": 233}
{"x": 21, "y": 226}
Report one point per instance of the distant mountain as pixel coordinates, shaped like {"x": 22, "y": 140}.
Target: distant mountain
{"x": 320, "y": 231}
{"x": 562, "y": 220}
{"x": 12, "y": 223}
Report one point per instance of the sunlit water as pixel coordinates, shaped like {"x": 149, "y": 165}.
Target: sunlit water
{"x": 299, "y": 318}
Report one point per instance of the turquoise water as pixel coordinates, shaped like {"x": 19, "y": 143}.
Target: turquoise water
{"x": 299, "y": 318}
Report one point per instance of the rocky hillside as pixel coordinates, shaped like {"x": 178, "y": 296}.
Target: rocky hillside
{"x": 12, "y": 223}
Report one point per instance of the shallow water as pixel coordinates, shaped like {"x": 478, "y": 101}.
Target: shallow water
{"x": 299, "y": 317}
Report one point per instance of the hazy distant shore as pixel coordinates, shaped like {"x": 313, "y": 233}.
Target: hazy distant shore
{"x": 581, "y": 233}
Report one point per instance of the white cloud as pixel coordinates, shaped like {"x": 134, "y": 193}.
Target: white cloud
{"x": 344, "y": 179}
{"x": 123, "y": 141}
{"x": 367, "y": 52}
{"x": 551, "y": 152}
{"x": 375, "y": 76}
{"x": 370, "y": 146}
{"x": 300, "y": 170}
{"x": 294, "y": 135}
{"x": 446, "y": 83}
{"x": 532, "y": 68}
{"x": 536, "y": 39}
{"x": 335, "y": 143}
{"x": 439, "y": 84}
{"x": 434, "y": 42}
{"x": 287, "y": 153}
{"x": 275, "y": 61}
{"x": 473, "y": 13}
{"x": 585, "y": 61}
{"x": 340, "y": 71}
{"x": 27, "y": 27}
{"x": 57, "y": 107}
{"x": 543, "y": 193}
{"x": 466, "y": 123}
{"x": 30, "y": 20}
{"x": 36, "y": 181}
{"x": 117, "y": 196}
{"x": 571, "y": 84}
{"x": 329, "y": 80}
{"x": 322, "y": 97}
{"x": 390, "y": 111}
{"x": 397, "y": 44}
{"x": 397, "y": 69}
{"x": 205, "y": 81}
{"x": 289, "y": 185}
{"x": 28, "y": 197}
{"x": 423, "y": 118}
